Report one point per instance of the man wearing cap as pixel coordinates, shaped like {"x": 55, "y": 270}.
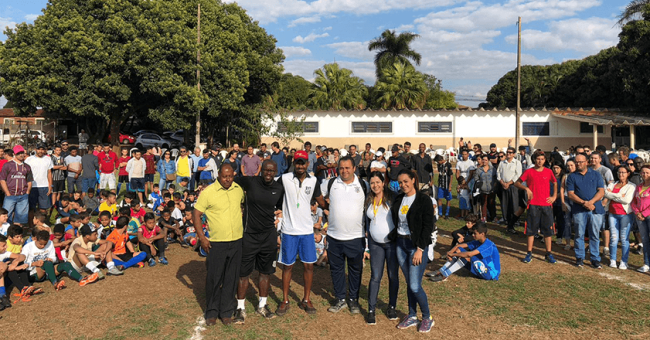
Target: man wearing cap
{"x": 378, "y": 164}
{"x": 16, "y": 180}
{"x": 396, "y": 163}
{"x": 297, "y": 230}
{"x": 216, "y": 155}
{"x": 107, "y": 165}
{"x": 41, "y": 165}
{"x": 493, "y": 155}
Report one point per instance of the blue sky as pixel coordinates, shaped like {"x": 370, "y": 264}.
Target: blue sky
{"x": 467, "y": 44}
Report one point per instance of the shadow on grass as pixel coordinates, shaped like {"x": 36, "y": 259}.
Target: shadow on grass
{"x": 192, "y": 275}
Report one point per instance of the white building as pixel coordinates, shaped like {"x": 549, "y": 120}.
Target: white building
{"x": 444, "y": 128}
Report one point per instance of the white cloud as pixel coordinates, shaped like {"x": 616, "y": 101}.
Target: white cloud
{"x": 293, "y": 51}
{"x": 352, "y": 49}
{"x": 329, "y": 28}
{"x": 304, "y": 20}
{"x": 311, "y": 37}
{"x": 6, "y": 22}
{"x": 587, "y": 36}
{"x": 3, "y": 101}
{"x": 31, "y": 17}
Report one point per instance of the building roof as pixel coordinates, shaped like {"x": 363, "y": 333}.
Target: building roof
{"x": 9, "y": 113}
{"x": 601, "y": 116}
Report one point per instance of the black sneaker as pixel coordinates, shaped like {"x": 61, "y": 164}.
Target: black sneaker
{"x": 438, "y": 278}
{"x": 354, "y": 306}
{"x": 340, "y": 304}
{"x": 511, "y": 231}
{"x": 239, "y": 317}
{"x": 371, "y": 319}
{"x": 596, "y": 265}
{"x": 580, "y": 263}
{"x": 391, "y": 313}
{"x": 5, "y": 302}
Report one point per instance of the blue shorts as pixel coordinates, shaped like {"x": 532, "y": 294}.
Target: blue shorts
{"x": 137, "y": 184}
{"x": 187, "y": 237}
{"x": 39, "y": 197}
{"x": 444, "y": 194}
{"x": 148, "y": 178}
{"x": 297, "y": 245}
{"x": 464, "y": 205}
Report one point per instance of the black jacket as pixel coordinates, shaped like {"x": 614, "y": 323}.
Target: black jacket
{"x": 419, "y": 217}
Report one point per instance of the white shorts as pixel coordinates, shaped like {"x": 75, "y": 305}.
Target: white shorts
{"x": 91, "y": 258}
{"x": 107, "y": 180}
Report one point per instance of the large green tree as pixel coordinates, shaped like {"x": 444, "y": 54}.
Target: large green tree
{"x": 393, "y": 48}
{"x": 634, "y": 9}
{"x": 436, "y": 97}
{"x": 337, "y": 88}
{"x": 400, "y": 87}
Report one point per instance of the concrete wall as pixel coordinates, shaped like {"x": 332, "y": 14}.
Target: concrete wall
{"x": 483, "y": 127}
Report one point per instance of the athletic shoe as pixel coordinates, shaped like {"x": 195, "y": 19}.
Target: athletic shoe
{"x": 622, "y": 266}
{"x": 37, "y": 291}
{"x": 89, "y": 279}
{"x": 371, "y": 320}
{"x": 501, "y": 221}
{"x": 163, "y": 260}
{"x": 391, "y": 313}
{"x": 121, "y": 267}
{"x": 432, "y": 274}
{"x": 114, "y": 271}
{"x": 438, "y": 278}
{"x": 559, "y": 241}
{"x": 596, "y": 265}
{"x": 101, "y": 275}
{"x": 151, "y": 262}
{"x": 568, "y": 246}
{"x": 354, "y": 307}
{"x": 341, "y": 304}
{"x": 612, "y": 263}
{"x": 606, "y": 252}
{"x": 408, "y": 321}
{"x": 528, "y": 258}
{"x": 550, "y": 259}
{"x": 283, "y": 307}
{"x": 426, "y": 325}
{"x": 644, "y": 269}
{"x": 307, "y": 306}
{"x": 239, "y": 317}
{"x": 265, "y": 312}
{"x": 511, "y": 231}
{"x": 140, "y": 264}
{"x": 5, "y": 302}
{"x": 580, "y": 263}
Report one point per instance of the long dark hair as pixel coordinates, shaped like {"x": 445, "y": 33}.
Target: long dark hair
{"x": 388, "y": 197}
{"x": 411, "y": 174}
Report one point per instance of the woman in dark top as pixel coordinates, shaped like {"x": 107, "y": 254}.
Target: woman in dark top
{"x": 412, "y": 214}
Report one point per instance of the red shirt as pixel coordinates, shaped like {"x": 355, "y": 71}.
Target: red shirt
{"x": 123, "y": 168}
{"x": 539, "y": 182}
{"x": 107, "y": 162}
{"x": 2, "y": 162}
{"x": 150, "y": 160}
{"x": 139, "y": 215}
{"x": 615, "y": 207}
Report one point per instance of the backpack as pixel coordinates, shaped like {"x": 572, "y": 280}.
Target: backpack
{"x": 364, "y": 186}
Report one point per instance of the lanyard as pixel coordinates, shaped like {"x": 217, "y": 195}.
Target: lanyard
{"x": 375, "y": 206}
{"x": 297, "y": 184}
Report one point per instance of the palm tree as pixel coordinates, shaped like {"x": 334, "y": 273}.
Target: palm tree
{"x": 392, "y": 48}
{"x": 401, "y": 87}
{"x": 632, "y": 10}
{"x": 337, "y": 88}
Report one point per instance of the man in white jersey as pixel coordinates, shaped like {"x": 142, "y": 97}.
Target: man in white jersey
{"x": 297, "y": 231}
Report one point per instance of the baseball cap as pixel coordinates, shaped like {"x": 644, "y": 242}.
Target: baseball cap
{"x": 18, "y": 149}
{"x": 300, "y": 155}
{"x": 379, "y": 154}
{"x": 217, "y": 146}
{"x": 86, "y": 230}
{"x": 493, "y": 145}
{"x": 41, "y": 146}
{"x": 206, "y": 151}
{"x": 323, "y": 148}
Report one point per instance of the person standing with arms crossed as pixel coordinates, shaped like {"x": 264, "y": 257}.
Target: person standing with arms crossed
{"x": 221, "y": 203}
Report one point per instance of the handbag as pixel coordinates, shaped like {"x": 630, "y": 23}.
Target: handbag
{"x": 170, "y": 177}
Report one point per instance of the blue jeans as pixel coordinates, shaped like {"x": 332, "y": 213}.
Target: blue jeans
{"x": 413, "y": 276}
{"x": 584, "y": 220}
{"x": 619, "y": 225}
{"x": 164, "y": 183}
{"x": 380, "y": 254}
{"x": 17, "y": 208}
{"x": 87, "y": 183}
{"x": 644, "y": 230}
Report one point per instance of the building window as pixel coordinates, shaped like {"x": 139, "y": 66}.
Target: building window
{"x": 536, "y": 129}
{"x": 307, "y": 127}
{"x": 434, "y": 127}
{"x": 9, "y": 121}
{"x": 587, "y": 128}
{"x": 372, "y": 127}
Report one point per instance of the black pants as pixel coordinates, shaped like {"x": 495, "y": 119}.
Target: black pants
{"x": 223, "y": 263}
{"x": 510, "y": 204}
{"x": 337, "y": 253}
{"x": 19, "y": 278}
{"x": 160, "y": 249}
{"x": 467, "y": 237}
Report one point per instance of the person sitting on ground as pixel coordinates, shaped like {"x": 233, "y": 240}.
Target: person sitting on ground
{"x": 73, "y": 227}
{"x": 128, "y": 198}
{"x": 137, "y": 211}
{"x": 152, "y": 240}
{"x": 60, "y": 239}
{"x": 189, "y": 232}
{"x": 91, "y": 202}
{"x": 125, "y": 255}
{"x": 104, "y": 225}
{"x": 480, "y": 256}
{"x": 110, "y": 204}
{"x": 171, "y": 227}
{"x": 465, "y": 234}
{"x": 64, "y": 209}
{"x": 154, "y": 198}
{"x": 87, "y": 251}
{"x": 15, "y": 239}
{"x": 11, "y": 267}
{"x": 321, "y": 247}
{"x": 39, "y": 222}
{"x": 4, "y": 217}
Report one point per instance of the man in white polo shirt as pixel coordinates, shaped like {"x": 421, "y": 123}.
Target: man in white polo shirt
{"x": 297, "y": 233}
{"x": 345, "y": 234}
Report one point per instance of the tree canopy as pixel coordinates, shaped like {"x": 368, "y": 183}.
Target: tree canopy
{"x": 337, "y": 88}
{"x": 393, "y": 48}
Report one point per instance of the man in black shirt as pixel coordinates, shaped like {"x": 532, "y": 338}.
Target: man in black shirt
{"x": 422, "y": 165}
{"x": 395, "y": 164}
{"x": 259, "y": 246}
{"x": 321, "y": 165}
{"x": 493, "y": 155}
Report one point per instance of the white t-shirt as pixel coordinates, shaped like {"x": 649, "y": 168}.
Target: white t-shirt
{"x": 33, "y": 254}
{"x": 4, "y": 228}
{"x": 345, "y": 221}
{"x": 73, "y": 160}
{"x": 40, "y": 166}
{"x": 377, "y": 164}
{"x": 403, "y": 227}
{"x": 464, "y": 167}
{"x": 380, "y": 225}
{"x": 296, "y": 207}
{"x": 5, "y": 255}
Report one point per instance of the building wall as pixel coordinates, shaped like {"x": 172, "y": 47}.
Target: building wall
{"x": 483, "y": 127}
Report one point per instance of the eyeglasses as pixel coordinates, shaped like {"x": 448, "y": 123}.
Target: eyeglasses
{"x": 510, "y": 152}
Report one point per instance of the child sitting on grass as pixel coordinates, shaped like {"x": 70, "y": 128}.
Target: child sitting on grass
{"x": 134, "y": 225}
{"x": 73, "y": 227}
{"x": 61, "y": 241}
{"x": 15, "y": 239}
{"x": 480, "y": 256}
{"x": 105, "y": 224}
{"x": 152, "y": 240}
{"x": 40, "y": 258}
{"x": 91, "y": 202}
{"x": 189, "y": 232}
{"x": 125, "y": 255}
{"x": 110, "y": 204}
{"x": 64, "y": 210}
{"x": 465, "y": 234}
{"x": 39, "y": 222}
{"x": 171, "y": 227}
{"x": 11, "y": 267}
{"x": 178, "y": 201}
{"x": 155, "y": 198}
{"x": 87, "y": 251}
{"x": 126, "y": 202}
{"x": 4, "y": 217}
{"x": 321, "y": 248}
{"x": 137, "y": 211}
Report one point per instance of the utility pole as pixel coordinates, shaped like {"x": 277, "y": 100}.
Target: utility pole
{"x": 517, "y": 132}
{"x": 198, "y": 76}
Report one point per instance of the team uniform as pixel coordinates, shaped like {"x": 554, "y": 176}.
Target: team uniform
{"x": 58, "y": 176}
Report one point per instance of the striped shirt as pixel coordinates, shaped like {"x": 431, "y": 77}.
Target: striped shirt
{"x": 58, "y": 175}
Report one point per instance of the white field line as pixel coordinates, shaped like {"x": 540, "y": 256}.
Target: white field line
{"x": 637, "y": 286}
{"x": 198, "y": 329}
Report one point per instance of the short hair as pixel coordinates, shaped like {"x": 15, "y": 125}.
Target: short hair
{"x": 307, "y": 143}
{"x": 156, "y": 185}
{"x": 59, "y": 228}
{"x": 177, "y": 195}
{"x": 110, "y": 194}
{"x": 353, "y": 146}
{"x": 538, "y": 154}
{"x": 125, "y": 211}
{"x": 105, "y": 213}
{"x": 167, "y": 195}
{"x": 347, "y": 159}
{"x": 407, "y": 143}
{"x": 601, "y": 148}
{"x": 149, "y": 216}
{"x": 478, "y": 146}
{"x": 510, "y": 148}
{"x": 40, "y": 217}
{"x": 461, "y": 179}
{"x": 624, "y": 149}
{"x": 612, "y": 156}
{"x": 471, "y": 218}
{"x": 43, "y": 235}
{"x": 122, "y": 221}
{"x": 73, "y": 148}
{"x": 3, "y": 239}
{"x": 173, "y": 186}
{"x": 4, "y": 211}
{"x": 91, "y": 190}
{"x": 9, "y": 152}
{"x": 438, "y": 158}
{"x": 135, "y": 202}
{"x": 275, "y": 145}
{"x": 75, "y": 217}
{"x": 481, "y": 228}
{"x": 130, "y": 195}
{"x": 16, "y": 230}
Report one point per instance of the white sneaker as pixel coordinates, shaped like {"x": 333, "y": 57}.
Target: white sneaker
{"x": 644, "y": 269}
{"x": 559, "y": 242}
{"x": 622, "y": 266}
{"x": 612, "y": 263}
{"x": 568, "y": 246}
{"x": 606, "y": 252}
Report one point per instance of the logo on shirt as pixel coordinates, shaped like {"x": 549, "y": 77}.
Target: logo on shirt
{"x": 404, "y": 209}
{"x": 357, "y": 190}
{"x": 308, "y": 190}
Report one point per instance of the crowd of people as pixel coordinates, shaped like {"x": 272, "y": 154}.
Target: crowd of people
{"x": 327, "y": 207}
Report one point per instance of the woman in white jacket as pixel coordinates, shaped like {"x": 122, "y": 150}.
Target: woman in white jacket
{"x": 620, "y": 195}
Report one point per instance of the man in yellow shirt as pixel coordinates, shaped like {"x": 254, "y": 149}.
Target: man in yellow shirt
{"x": 221, "y": 203}
{"x": 184, "y": 167}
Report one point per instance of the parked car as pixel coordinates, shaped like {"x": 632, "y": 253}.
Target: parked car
{"x": 178, "y": 135}
{"x": 139, "y": 132}
{"x": 124, "y": 138}
{"x": 149, "y": 139}
{"x": 34, "y": 134}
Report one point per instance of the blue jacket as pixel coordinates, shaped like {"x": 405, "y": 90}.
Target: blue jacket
{"x": 281, "y": 161}
{"x": 165, "y": 168}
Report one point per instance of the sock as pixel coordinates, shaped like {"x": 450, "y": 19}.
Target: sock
{"x": 50, "y": 274}
{"x": 110, "y": 265}
{"x": 240, "y": 304}
{"x": 548, "y": 253}
{"x": 67, "y": 268}
{"x": 452, "y": 266}
{"x": 92, "y": 265}
{"x": 3, "y": 292}
{"x": 447, "y": 210}
{"x": 132, "y": 262}
{"x": 529, "y": 253}
{"x": 262, "y": 302}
